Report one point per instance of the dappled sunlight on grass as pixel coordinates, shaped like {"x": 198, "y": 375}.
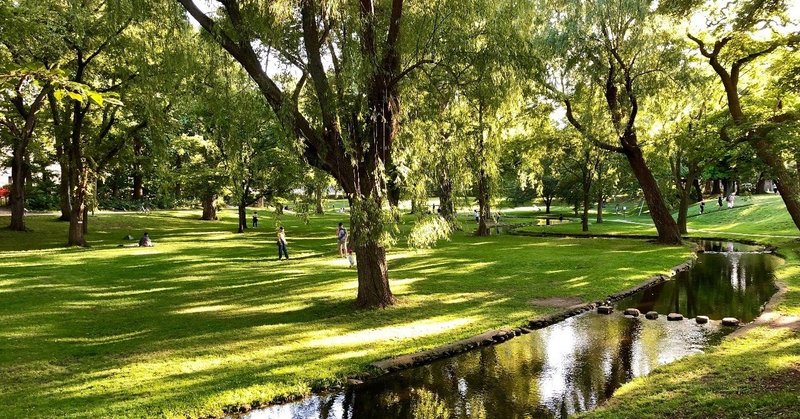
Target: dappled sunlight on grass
{"x": 209, "y": 318}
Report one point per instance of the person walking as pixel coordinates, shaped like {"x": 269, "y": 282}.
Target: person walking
{"x": 719, "y": 202}
{"x": 477, "y": 216}
{"x": 282, "y": 244}
{"x": 341, "y": 235}
{"x": 731, "y": 198}
{"x": 702, "y": 207}
{"x": 255, "y": 219}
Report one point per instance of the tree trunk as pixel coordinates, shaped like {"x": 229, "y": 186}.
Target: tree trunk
{"x": 683, "y": 209}
{"x": 209, "y": 207}
{"x": 366, "y": 221}
{"x": 787, "y": 183}
{"x": 761, "y": 185}
{"x": 65, "y": 203}
{"x": 85, "y": 225}
{"x": 668, "y": 232}
{"x": 138, "y": 190}
{"x": 697, "y": 190}
{"x": 446, "y": 206}
{"x": 716, "y": 189}
{"x": 548, "y": 200}
{"x": 318, "y": 200}
{"x": 599, "y": 219}
{"x": 17, "y": 198}
{"x": 242, "y": 217}
{"x": 586, "y": 198}
{"x": 483, "y": 179}
{"x": 78, "y": 178}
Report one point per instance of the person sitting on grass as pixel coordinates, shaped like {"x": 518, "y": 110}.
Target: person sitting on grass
{"x": 145, "y": 241}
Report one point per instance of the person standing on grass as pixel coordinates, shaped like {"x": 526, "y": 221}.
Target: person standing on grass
{"x": 702, "y": 207}
{"x": 477, "y": 216}
{"x": 731, "y": 198}
{"x": 282, "y": 244}
{"x": 719, "y": 202}
{"x": 341, "y": 236}
{"x": 255, "y": 219}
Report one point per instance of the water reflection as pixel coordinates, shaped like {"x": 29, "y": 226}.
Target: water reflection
{"x": 567, "y": 367}
{"x": 722, "y": 283}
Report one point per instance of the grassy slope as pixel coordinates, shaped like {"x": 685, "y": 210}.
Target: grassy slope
{"x": 208, "y": 318}
{"x": 755, "y": 375}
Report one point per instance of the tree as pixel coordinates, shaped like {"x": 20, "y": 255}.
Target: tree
{"x": 357, "y": 98}
{"x": 617, "y": 48}
{"x": 734, "y": 46}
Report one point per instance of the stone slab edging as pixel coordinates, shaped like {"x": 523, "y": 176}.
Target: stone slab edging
{"x": 493, "y": 337}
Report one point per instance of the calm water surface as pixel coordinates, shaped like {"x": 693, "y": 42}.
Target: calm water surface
{"x": 568, "y": 367}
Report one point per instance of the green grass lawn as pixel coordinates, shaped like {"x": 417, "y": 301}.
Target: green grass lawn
{"x": 209, "y": 318}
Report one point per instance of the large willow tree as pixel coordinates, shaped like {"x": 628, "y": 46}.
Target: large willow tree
{"x": 351, "y": 53}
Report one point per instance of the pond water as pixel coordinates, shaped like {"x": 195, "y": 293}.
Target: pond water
{"x": 568, "y": 367}
{"x": 551, "y": 221}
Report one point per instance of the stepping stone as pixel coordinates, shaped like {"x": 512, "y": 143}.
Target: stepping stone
{"x": 632, "y": 312}
{"x": 701, "y": 319}
{"x": 651, "y": 315}
{"x": 730, "y": 321}
{"x": 674, "y": 317}
{"x": 605, "y": 309}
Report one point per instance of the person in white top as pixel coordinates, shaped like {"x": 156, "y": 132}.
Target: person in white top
{"x": 282, "y": 244}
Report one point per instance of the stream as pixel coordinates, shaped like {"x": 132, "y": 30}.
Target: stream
{"x": 568, "y": 367}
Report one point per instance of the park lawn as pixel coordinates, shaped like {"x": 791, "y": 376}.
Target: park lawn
{"x": 209, "y": 318}
{"x": 756, "y": 374}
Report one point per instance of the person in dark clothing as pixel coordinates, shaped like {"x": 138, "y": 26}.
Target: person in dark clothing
{"x": 145, "y": 241}
{"x": 719, "y": 202}
{"x": 255, "y": 219}
{"x": 702, "y": 207}
{"x": 282, "y": 244}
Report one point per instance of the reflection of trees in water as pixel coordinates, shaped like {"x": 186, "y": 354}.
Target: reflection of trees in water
{"x": 718, "y": 285}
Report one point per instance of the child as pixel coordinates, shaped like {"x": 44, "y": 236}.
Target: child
{"x": 255, "y": 219}
{"x": 351, "y": 257}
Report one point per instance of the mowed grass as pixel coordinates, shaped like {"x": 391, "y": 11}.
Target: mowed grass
{"x": 210, "y": 318}
{"x": 755, "y": 375}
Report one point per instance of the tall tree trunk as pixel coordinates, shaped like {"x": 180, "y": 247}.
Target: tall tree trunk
{"x": 446, "y": 206}
{"x": 373, "y": 270}
{"x": 761, "y": 185}
{"x": 586, "y": 198}
{"x": 17, "y": 198}
{"x": 787, "y": 182}
{"x": 483, "y": 178}
{"x": 138, "y": 189}
{"x": 548, "y": 201}
{"x": 318, "y": 190}
{"x": 716, "y": 189}
{"x": 78, "y": 178}
{"x": 242, "y": 217}
{"x": 668, "y": 232}
{"x": 64, "y": 189}
{"x": 697, "y": 190}
{"x": 209, "y": 207}
{"x": 600, "y": 196}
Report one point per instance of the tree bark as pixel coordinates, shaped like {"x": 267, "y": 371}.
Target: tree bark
{"x": 548, "y": 201}
{"x": 138, "y": 189}
{"x": 318, "y": 200}
{"x": 242, "y": 217}
{"x": 17, "y": 198}
{"x": 209, "y": 207}
{"x": 373, "y": 271}
{"x": 446, "y": 206}
{"x": 483, "y": 179}
{"x": 761, "y": 185}
{"x": 586, "y": 198}
{"x": 666, "y": 226}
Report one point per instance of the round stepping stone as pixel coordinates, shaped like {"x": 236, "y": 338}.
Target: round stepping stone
{"x": 674, "y": 317}
{"x": 632, "y": 312}
{"x": 730, "y": 321}
{"x": 651, "y": 315}
{"x": 701, "y": 319}
{"x": 605, "y": 309}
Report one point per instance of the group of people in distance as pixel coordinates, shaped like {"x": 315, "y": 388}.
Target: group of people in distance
{"x": 730, "y": 201}
{"x": 344, "y": 247}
